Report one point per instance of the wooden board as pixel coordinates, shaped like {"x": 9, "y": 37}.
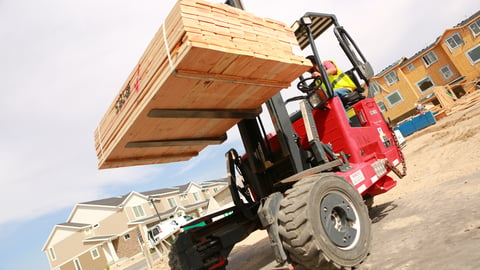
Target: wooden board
{"x": 471, "y": 99}
{"x": 208, "y": 66}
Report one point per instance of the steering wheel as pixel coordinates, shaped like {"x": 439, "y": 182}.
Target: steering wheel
{"x": 308, "y": 85}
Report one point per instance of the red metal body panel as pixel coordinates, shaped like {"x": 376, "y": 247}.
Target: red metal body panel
{"x": 367, "y": 146}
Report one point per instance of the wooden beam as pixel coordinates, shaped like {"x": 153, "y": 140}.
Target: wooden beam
{"x": 205, "y": 113}
{"x": 122, "y": 162}
{"x": 177, "y": 142}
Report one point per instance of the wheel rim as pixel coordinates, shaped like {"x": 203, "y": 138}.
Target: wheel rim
{"x": 340, "y": 220}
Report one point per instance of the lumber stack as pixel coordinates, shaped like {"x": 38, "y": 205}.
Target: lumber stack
{"x": 445, "y": 96}
{"x": 471, "y": 99}
{"x": 207, "y": 67}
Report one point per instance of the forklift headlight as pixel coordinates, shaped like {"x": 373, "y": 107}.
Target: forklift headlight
{"x": 306, "y": 20}
{"x": 315, "y": 100}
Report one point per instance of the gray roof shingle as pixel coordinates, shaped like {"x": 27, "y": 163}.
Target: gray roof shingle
{"x": 74, "y": 225}
{"x": 113, "y": 201}
{"x": 159, "y": 191}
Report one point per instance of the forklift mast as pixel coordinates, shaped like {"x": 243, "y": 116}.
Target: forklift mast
{"x": 253, "y": 136}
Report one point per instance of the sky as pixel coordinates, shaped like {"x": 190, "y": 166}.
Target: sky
{"x": 62, "y": 62}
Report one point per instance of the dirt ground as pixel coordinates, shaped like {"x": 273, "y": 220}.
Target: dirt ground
{"x": 430, "y": 220}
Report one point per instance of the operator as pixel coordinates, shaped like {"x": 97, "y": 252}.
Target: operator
{"x": 420, "y": 108}
{"x": 341, "y": 83}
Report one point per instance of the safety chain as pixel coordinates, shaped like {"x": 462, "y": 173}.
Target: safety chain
{"x": 404, "y": 164}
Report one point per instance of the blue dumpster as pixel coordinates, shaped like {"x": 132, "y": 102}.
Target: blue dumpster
{"x": 417, "y": 123}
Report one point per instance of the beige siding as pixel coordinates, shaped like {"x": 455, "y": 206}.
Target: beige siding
{"x": 60, "y": 235}
{"x": 115, "y": 224}
{"x": 163, "y": 205}
{"x": 73, "y": 245}
{"x": 69, "y": 248}
{"x": 223, "y": 197}
{"x": 68, "y": 243}
{"x": 68, "y": 266}
{"x": 127, "y": 247}
{"x": 191, "y": 198}
{"x": 87, "y": 262}
{"x": 135, "y": 201}
{"x": 90, "y": 214}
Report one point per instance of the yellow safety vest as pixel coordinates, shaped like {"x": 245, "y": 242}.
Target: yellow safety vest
{"x": 341, "y": 80}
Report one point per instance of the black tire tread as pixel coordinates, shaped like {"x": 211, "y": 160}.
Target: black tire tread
{"x": 174, "y": 259}
{"x": 294, "y": 227}
{"x": 296, "y": 231}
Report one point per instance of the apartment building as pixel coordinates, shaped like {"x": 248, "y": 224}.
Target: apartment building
{"x": 452, "y": 61}
{"x": 103, "y": 232}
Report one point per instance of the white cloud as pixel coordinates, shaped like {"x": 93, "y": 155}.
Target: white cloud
{"x": 63, "y": 64}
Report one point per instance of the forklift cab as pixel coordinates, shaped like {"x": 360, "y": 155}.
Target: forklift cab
{"x": 319, "y": 133}
{"x": 312, "y": 25}
{"x": 363, "y": 136}
{"x": 307, "y": 29}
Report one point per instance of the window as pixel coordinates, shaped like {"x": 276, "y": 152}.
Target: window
{"x": 394, "y": 98}
{"x": 77, "y": 264}
{"x": 430, "y": 58}
{"x": 153, "y": 232}
{"x": 454, "y": 41}
{"x": 410, "y": 67}
{"x": 172, "y": 202}
{"x": 475, "y": 28}
{"x": 94, "y": 253}
{"x": 425, "y": 84}
{"x": 474, "y": 55}
{"x": 138, "y": 211}
{"x": 52, "y": 254}
{"x": 381, "y": 105}
{"x": 196, "y": 197}
{"x": 183, "y": 197}
{"x": 215, "y": 189}
{"x": 391, "y": 77}
{"x": 374, "y": 87}
{"x": 126, "y": 236}
{"x": 447, "y": 73}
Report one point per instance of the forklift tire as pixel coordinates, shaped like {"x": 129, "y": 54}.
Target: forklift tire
{"x": 174, "y": 259}
{"x": 324, "y": 223}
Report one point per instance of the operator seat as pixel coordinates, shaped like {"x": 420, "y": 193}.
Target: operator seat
{"x": 355, "y": 95}
{"x": 351, "y": 98}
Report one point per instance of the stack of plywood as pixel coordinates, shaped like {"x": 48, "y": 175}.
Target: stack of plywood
{"x": 207, "y": 67}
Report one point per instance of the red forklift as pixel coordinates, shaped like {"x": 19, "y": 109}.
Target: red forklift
{"x": 309, "y": 183}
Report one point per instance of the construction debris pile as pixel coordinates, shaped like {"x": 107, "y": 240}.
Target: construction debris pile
{"x": 446, "y": 102}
